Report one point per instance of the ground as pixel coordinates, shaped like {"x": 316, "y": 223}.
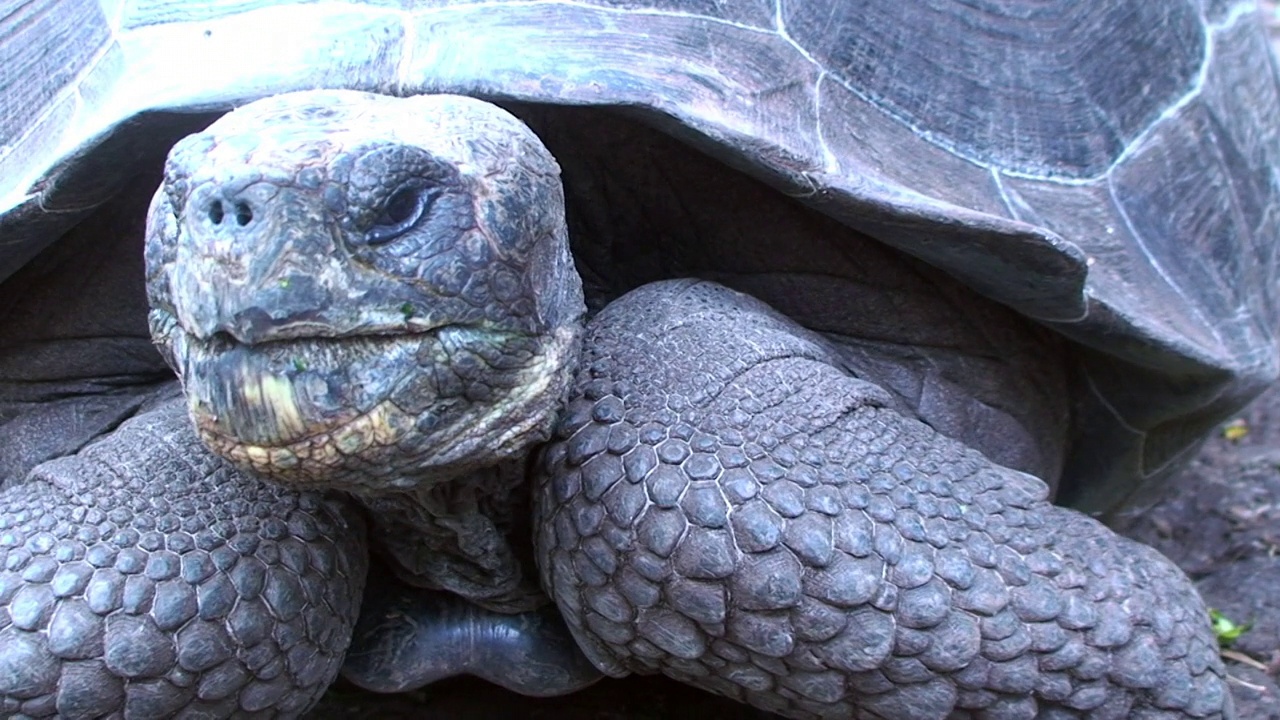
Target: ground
{"x": 1219, "y": 520}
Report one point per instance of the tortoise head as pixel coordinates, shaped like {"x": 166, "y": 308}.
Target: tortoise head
{"x": 364, "y": 289}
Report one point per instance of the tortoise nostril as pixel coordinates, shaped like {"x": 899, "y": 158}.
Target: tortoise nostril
{"x": 244, "y": 213}
{"x": 219, "y": 209}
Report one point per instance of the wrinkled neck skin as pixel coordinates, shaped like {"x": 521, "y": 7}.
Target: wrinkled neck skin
{"x": 468, "y": 536}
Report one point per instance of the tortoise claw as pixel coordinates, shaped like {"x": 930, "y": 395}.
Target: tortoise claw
{"x": 408, "y": 638}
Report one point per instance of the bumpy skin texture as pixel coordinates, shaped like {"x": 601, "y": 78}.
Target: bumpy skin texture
{"x": 725, "y": 506}
{"x": 145, "y": 578}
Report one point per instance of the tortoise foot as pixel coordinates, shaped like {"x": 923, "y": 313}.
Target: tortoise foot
{"x": 408, "y": 638}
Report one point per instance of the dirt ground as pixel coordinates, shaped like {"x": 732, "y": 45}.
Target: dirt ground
{"x": 1219, "y": 520}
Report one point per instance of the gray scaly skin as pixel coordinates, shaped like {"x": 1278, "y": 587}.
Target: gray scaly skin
{"x": 186, "y": 586}
{"x": 726, "y": 505}
{"x": 725, "y": 501}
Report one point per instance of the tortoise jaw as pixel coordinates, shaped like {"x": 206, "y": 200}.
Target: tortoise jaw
{"x": 309, "y": 412}
{"x": 317, "y": 459}
{"x": 285, "y": 392}
{"x": 371, "y": 413}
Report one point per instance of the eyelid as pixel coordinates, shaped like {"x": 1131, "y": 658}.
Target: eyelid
{"x": 382, "y": 234}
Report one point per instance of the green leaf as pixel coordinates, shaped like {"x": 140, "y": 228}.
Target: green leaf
{"x": 1235, "y": 430}
{"x": 1226, "y": 629}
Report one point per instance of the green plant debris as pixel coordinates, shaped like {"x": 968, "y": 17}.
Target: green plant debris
{"x": 299, "y": 365}
{"x": 1235, "y": 430}
{"x": 1225, "y": 629}
{"x": 408, "y": 311}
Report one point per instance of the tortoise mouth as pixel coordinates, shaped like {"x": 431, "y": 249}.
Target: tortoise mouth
{"x": 368, "y": 440}
{"x": 308, "y": 411}
{"x": 368, "y": 410}
{"x": 285, "y": 393}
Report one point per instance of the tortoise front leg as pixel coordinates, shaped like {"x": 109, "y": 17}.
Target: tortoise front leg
{"x": 144, "y": 577}
{"x": 725, "y": 504}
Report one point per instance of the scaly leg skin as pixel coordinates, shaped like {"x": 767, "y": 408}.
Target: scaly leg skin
{"x": 145, "y": 578}
{"x": 725, "y": 504}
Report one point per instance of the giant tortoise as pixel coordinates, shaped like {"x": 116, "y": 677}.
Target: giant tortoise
{"x": 739, "y": 342}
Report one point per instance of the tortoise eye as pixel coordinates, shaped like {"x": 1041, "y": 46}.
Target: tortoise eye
{"x": 405, "y": 208}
